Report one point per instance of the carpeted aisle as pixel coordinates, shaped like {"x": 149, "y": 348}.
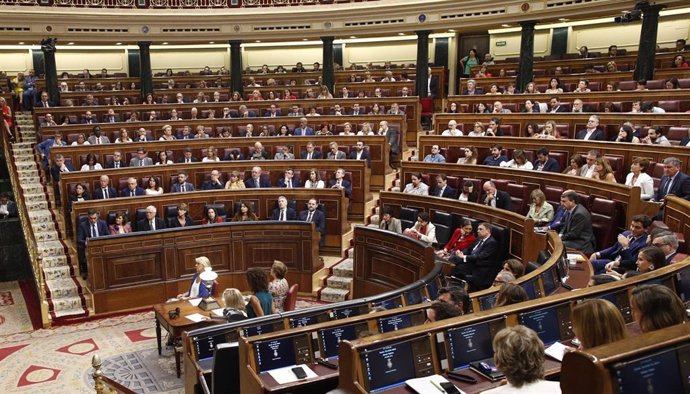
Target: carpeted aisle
{"x": 14, "y": 317}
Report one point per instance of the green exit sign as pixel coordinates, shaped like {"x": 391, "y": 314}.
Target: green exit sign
{"x": 501, "y": 43}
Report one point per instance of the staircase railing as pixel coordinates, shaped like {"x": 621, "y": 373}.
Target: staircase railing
{"x": 35, "y": 256}
{"x": 104, "y": 384}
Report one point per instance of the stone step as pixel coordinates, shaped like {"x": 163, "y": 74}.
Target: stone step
{"x": 50, "y": 248}
{"x": 350, "y": 253}
{"x": 54, "y": 261}
{"x": 333, "y": 295}
{"x": 67, "y": 306}
{"x": 62, "y": 288}
{"x": 36, "y": 205}
{"x": 46, "y": 236}
{"x": 344, "y": 268}
{"x": 43, "y": 227}
{"x": 58, "y": 273}
{"x": 339, "y": 282}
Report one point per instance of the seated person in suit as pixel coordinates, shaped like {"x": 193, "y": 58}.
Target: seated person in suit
{"x": 313, "y": 214}
{"x": 339, "y": 182}
{"x": 97, "y": 138}
{"x": 335, "y": 153}
{"x": 478, "y": 264}
{"x": 8, "y": 209}
{"x": 310, "y": 153}
{"x": 494, "y": 197}
{"x": 434, "y": 156}
{"x": 359, "y": 152}
{"x": 214, "y": 183}
{"x": 182, "y": 219}
{"x": 132, "y": 188}
{"x": 544, "y": 162}
{"x": 495, "y": 158}
{"x": 592, "y": 132}
{"x": 442, "y": 188}
{"x": 259, "y": 152}
{"x": 416, "y": 186}
{"x": 289, "y": 181}
{"x": 555, "y": 105}
{"x": 105, "y": 191}
{"x": 141, "y": 160}
{"x": 283, "y": 212}
{"x": 462, "y": 238}
{"x": 389, "y": 222}
{"x": 284, "y": 153}
{"x": 59, "y": 166}
{"x": 623, "y": 254}
{"x": 211, "y": 217}
{"x": 423, "y": 230}
{"x": 234, "y": 154}
{"x": 672, "y": 182}
{"x": 668, "y": 243}
{"x": 117, "y": 161}
{"x": 455, "y": 296}
{"x": 303, "y": 128}
{"x": 257, "y": 180}
{"x": 197, "y": 288}
{"x": 93, "y": 227}
{"x": 539, "y": 210}
{"x": 182, "y": 186}
{"x": 151, "y": 222}
{"x": 120, "y": 226}
{"x": 80, "y": 194}
{"x": 577, "y": 230}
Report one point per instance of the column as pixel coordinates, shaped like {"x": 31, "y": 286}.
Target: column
{"x": 422, "y": 79}
{"x": 525, "y": 72}
{"x": 646, "y": 53}
{"x": 327, "y": 69}
{"x": 236, "y": 67}
{"x": 48, "y": 49}
{"x": 145, "y": 75}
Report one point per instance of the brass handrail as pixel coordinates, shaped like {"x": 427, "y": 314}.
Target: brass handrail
{"x": 29, "y": 238}
{"x": 104, "y": 384}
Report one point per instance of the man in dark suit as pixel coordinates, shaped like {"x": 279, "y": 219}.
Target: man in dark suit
{"x": 105, "y": 191}
{"x": 494, "y": 197}
{"x": 289, "y": 180}
{"x": 310, "y": 153}
{"x": 668, "y": 243}
{"x": 111, "y": 117}
{"x": 132, "y": 189}
{"x": 479, "y": 260}
{"x": 182, "y": 186}
{"x": 117, "y": 161}
{"x": 345, "y": 93}
{"x": 623, "y": 254}
{"x": 577, "y": 232}
{"x": 592, "y": 131}
{"x": 442, "y": 188}
{"x": 8, "y": 209}
{"x": 283, "y": 212}
{"x": 544, "y": 162}
{"x": 215, "y": 183}
{"x": 313, "y": 215}
{"x": 432, "y": 85}
{"x": 257, "y": 180}
{"x": 303, "y": 128}
{"x": 151, "y": 222}
{"x": 556, "y": 106}
{"x": 672, "y": 182}
{"x": 359, "y": 152}
{"x": 187, "y": 157}
{"x": 88, "y": 118}
{"x": 335, "y": 153}
{"x": 92, "y": 227}
{"x": 44, "y": 102}
{"x": 273, "y": 112}
{"x": 339, "y": 182}
{"x": 356, "y": 110}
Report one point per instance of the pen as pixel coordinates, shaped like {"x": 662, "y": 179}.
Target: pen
{"x": 438, "y": 386}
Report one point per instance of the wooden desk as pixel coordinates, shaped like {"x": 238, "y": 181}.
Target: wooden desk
{"x": 176, "y": 326}
{"x": 139, "y": 269}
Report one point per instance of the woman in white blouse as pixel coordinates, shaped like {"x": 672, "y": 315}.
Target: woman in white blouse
{"x": 519, "y": 161}
{"x": 81, "y": 140}
{"x": 167, "y": 134}
{"x": 91, "y": 163}
{"x": 211, "y": 155}
{"x": 638, "y": 177}
{"x": 163, "y": 158}
{"x": 124, "y": 137}
{"x": 366, "y": 130}
{"x": 314, "y": 180}
{"x": 153, "y": 187}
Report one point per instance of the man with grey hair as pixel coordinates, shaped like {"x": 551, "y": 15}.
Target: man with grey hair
{"x": 592, "y": 131}
{"x": 283, "y": 212}
{"x": 151, "y": 222}
{"x": 672, "y": 182}
{"x": 668, "y": 243}
{"x": 503, "y": 277}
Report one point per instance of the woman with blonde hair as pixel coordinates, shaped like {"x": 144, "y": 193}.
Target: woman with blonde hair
{"x": 597, "y": 322}
{"x": 539, "y": 210}
{"x": 518, "y": 161}
{"x": 235, "y": 181}
{"x": 550, "y": 130}
{"x": 603, "y": 170}
{"x": 235, "y": 307}
{"x": 197, "y": 289}
{"x": 278, "y": 287}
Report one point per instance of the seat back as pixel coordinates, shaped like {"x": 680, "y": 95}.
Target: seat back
{"x": 408, "y": 217}
{"x": 291, "y": 298}
{"x": 605, "y": 214}
{"x": 670, "y": 105}
{"x": 140, "y": 215}
{"x": 169, "y": 213}
{"x": 519, "y": 195}
{"x": 444, "y": 226}
{"x": 225, "y": 375}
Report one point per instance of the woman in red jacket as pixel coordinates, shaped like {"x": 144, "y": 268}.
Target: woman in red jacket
{"x": 462, "y": 238}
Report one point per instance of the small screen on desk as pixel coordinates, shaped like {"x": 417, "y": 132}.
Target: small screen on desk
{"x": 275, "y": 353}
{"x": 487, "y": 302}
{"x": 206, "y": 345}
{"x": 330, "y": 338}
{"x": 472, "y": 343}
{"x": 544, "y": 322}
{"x": 413, "y": 297}
{"x": 549, "y": 280}
{"x": 621, "y": 301}
{"x": 257, "y": 330}
{"x": 656, "y": 373}
{"x": 304, "y": 321}
{"x": 397, "y": 322}
{"x": 432, "y": 288}
{"x": 390, "y": 303}
{"x": 344, "y": 313}
{"x": 389, "y": 365}
{"x": 684, "y": 284}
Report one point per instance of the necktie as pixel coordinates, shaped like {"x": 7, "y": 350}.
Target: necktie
{"x": 478, "y": 245}
{"x": 153, "y": 225}
{"x": 141, "y": 163}
{"x": 105, "y": 192}
{"x": 257, "y": 182}
{"x": 183, "y": 188}
{"x": 117, "y": 164}
{"x": 311, "y": 215}
{"x": 188, "y": 160}
{"x": 289, "y": 183}
{"x": 131, "y": 193}
{"x": 94, "y": 232}
{"x": 282, "y": 215}
{"x": 309, "y": 156}
{"x": 440, "y": 192}
{"x": 668, "y": 186}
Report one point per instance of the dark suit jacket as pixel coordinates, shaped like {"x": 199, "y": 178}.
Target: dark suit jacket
{"x": 629, "y": 255}
{"x": 560, "y": 109}
{"x": 98, "y": 193}
{"x": 684, "y": 141}
{"x": 289, "y": 213}
{"x": 503, "y": 200}
{"x": 365, "y": 155}
{"x": 296, "y": 182}
{"x": 449, "y": 192}
{"x": 174, "y": 222}
{"x": 319, "y": 219}
{"x": 551, "y": 165}
{"x": 267, "y": 114}
{"x": 137, "y": 192}
{"x": 84, "y": 231}
{"x": 176, "y": 188}
{"x": 680, "y": 187}
{"x": 12, "y": 209}
{"x": 598, "y": 135}
{"x": 482, "y": 263}
{"x": 315, "y": 155}
{"x": 263, "y": 182}
{"x": 433, "y": 92}
{"x": 233, "y": 155}
{"x": 577, "y": 231}
{"x": 210, "y": 185}
{"x": 143, "y": 224}
{"x": 346, "y": 185}
{"x": 112, "y": 164}
{"x": 182, "y": 159}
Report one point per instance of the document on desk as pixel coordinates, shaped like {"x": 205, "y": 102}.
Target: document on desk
{"x": 428, "y": 384}
{"x": 196, "y": 317}
{"x": 195, "y": 301}
{"x": 218, "y": 312}
{"x": 557, "y": 351}
{"x": 285, "y": 375}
